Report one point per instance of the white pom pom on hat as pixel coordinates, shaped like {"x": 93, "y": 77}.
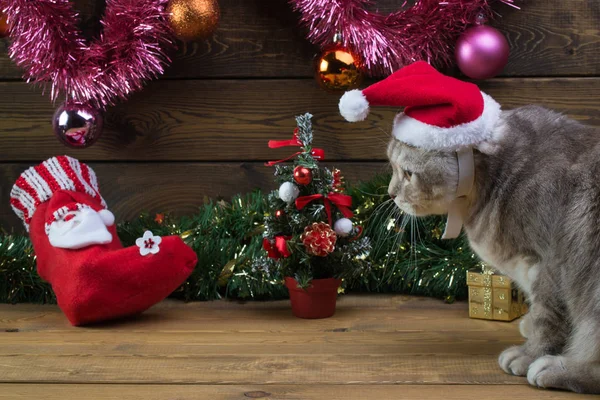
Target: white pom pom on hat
{"x": 441, "y": 112}
{"x": 354, "y": 106}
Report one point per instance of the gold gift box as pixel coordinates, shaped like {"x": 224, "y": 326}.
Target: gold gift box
{"x": 494, "y": 296}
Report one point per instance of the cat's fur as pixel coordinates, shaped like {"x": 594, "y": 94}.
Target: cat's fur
{"x": 534, "y": 214}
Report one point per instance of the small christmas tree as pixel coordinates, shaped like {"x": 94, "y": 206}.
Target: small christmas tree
{"x": 308, "y": 231}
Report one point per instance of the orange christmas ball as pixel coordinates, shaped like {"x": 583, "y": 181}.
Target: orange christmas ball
{"x": 194, "y": 19}
{"x": 303, "y": 175}
{"x": 337, "y": 69}
{"x": 3, "y": 26}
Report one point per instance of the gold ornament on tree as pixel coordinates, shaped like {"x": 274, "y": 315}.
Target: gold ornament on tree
{"x": 337, "y": 69}
{"x": 193, "y": 19}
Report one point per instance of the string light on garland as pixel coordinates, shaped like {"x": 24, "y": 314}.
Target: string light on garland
{"x": 427, "y": 31}
{"x": 194, "y": 20}
{"x": 48, "y": 45}
{"x": 159, "y": 218}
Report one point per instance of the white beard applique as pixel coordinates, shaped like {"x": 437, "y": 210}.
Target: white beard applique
{"x": 80, "y": 228}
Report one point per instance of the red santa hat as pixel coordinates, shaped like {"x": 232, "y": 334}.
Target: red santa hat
{"x": 38, "y": 184}
{"x": 441, "y": 113}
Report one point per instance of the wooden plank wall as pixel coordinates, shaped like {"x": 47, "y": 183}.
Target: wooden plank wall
{"x": 202, "y": 129}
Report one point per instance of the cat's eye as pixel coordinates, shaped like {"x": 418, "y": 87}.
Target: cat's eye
{"x": 407, "y": 174}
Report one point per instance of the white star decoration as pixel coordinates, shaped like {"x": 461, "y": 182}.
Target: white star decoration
{"x": 148, "y": 243}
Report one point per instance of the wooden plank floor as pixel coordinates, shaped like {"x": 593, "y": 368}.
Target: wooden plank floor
{"x": 375, "y": 347}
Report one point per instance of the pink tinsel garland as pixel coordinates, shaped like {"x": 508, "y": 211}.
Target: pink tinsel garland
{"x": 47, "y": 43}
{"x": 426, "y": 31}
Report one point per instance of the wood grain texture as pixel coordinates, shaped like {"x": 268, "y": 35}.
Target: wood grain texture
{"x": 375, "y": 347}
{"x": 357, "y": 314}
{"x": 371, "y": 339}
{"x": 178, "y": 188}
{"x": 278, "y": 392}
{"x": 552, "y": 38}
{"x": 196, "y": 344}
{"x": 260, "y": 38}
{"x": 221, "y": 120}
{"x": 317, "y": 367}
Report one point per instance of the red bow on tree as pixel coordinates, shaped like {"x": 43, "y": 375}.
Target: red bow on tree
{"x": 319, "y": 154}
{"x": 342, "y": 201}
{"x": 278, "y": 249}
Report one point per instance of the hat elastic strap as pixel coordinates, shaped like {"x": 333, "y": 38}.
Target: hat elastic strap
{"x": 458, "y": 207}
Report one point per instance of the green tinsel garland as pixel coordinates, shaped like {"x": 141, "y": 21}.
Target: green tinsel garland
{"x": 408, "y": 254}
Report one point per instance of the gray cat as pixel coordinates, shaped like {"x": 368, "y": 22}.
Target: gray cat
{"x": 534, "y": 214}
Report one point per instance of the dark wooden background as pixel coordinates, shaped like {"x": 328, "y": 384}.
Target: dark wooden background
{"x": 202, "y": 130}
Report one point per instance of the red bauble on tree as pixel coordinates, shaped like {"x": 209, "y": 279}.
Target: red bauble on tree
{"x": 302, "y": 175}
{"x": 319, "y": 239}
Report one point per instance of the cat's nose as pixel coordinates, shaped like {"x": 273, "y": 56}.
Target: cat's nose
{"x": 393, "y": 196}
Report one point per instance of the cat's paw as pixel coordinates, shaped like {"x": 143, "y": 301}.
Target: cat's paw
{"x": 549, "y": 372}
{"x": 559, "y": 372}
{"x": 515, "y": 361}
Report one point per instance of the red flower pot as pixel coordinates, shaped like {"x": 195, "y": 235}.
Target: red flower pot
{"x": 317, "y": 301}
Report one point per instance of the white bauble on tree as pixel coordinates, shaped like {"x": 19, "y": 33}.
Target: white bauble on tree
{"x": 288, "y": 192}
{"x": 343, "y": 227}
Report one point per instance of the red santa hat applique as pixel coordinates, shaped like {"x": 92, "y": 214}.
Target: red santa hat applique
{"x": 38, "y": 184}
{"x": 441, "y": 112}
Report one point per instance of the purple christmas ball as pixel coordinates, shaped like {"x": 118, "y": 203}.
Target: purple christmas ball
{"x": 77, "y": 125}
{"x": 482, "y": 52}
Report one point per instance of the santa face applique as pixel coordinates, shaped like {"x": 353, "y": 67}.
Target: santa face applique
{"x": 79, "y": 226}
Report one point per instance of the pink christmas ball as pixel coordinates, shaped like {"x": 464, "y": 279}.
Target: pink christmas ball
{"x": 482, "y": 52}
{"x": 76, "y": 125}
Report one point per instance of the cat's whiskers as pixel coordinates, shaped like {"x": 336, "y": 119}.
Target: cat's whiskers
{"x": 420, "y": 221}
{"x": 395, "y": 234}
{"x": 385, "y": 140}
{"x": 401, "y": 232}
{"x": 413, "y": 240}
{"x": 388, "y": 215}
